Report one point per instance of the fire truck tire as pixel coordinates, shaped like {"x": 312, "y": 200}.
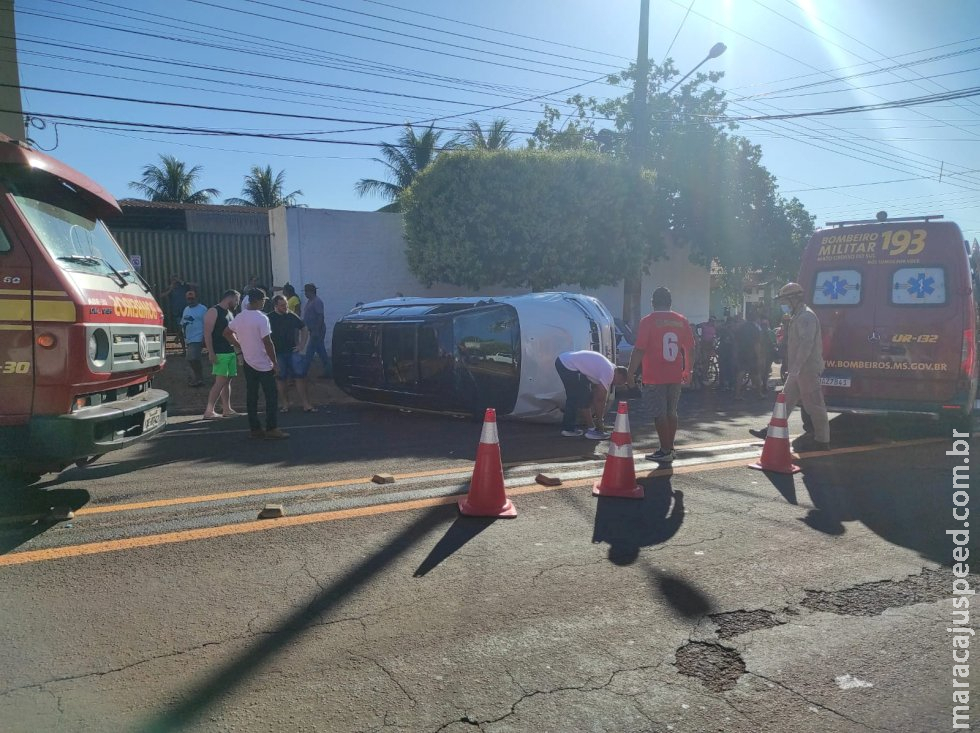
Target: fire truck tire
{"x": 12, "y": 479}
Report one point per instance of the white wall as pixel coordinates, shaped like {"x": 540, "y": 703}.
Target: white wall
{"x": 359, "y": 256}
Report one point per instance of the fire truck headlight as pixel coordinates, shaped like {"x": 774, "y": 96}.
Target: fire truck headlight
{"x": 98, "y": 347}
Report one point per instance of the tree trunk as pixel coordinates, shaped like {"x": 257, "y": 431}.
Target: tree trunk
{"x": 632, "y": 285}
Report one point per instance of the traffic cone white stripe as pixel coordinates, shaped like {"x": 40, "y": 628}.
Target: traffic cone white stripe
{"x": 619, "y": 474}
{"x": 621, "y": 451}
{"x": 489, "y": 434}
{"x": 779, "y": 410}
{"x": 776, "y": 432}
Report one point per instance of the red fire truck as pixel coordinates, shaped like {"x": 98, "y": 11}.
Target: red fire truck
{"x": 80, "y": 334}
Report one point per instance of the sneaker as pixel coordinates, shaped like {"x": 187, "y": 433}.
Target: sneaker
{"x": 258, "y": 434}
{"x": 662, "y": 456}
{"x": 275, "y": 434}
{"x": 760, "y": 434}
{"x": 593, "y": 434}
{"x": 576, "y": 433}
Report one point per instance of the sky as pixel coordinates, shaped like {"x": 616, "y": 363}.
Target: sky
{"x": 346, "y": 75}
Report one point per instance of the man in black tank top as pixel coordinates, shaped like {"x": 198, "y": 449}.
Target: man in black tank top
{"x": 224, "y": 360}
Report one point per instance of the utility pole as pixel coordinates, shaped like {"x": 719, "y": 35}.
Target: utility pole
{"x": 640, "y": 140}
{"x": 11, "y": 121}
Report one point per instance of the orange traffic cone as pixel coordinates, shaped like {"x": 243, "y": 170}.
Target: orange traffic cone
{"x": 486, "y": 497}
{"x": 619, "y": 474}
{"x": 775, "y": 451}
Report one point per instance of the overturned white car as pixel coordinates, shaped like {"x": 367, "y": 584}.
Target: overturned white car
{"x": 463, "y": 355}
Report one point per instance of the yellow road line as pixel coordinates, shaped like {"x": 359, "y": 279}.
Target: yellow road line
{"x": 132, "y": 543}
{"x": 158, "y": 503}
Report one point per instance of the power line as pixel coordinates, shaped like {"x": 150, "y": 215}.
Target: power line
{"x": 810, "y": 30}
{"x": 212, "y": 108}
{"x": 497, "y": 30}
{"x": 757, "y": 42}
{"x": 396, "y": 43}
{"x": 448, "y": 33}
{"x": 679, "y": 29}
{"x": 356, "y": 65}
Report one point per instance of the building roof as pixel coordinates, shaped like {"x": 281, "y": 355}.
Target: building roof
{"x": 141, "y": 204}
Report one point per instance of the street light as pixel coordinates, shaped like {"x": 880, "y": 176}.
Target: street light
{"x": 717, "y": 50}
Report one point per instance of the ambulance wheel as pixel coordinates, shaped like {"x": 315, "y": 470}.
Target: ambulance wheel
{"x": 962, "y": 423}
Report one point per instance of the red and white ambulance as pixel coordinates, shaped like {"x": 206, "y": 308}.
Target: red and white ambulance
{"x": 80, "y": 334}
{"x": 898, "y": 312}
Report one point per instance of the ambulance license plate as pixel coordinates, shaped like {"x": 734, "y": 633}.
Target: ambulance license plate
{"x": 152, "y": 419}
{"x": 835, "y": 381}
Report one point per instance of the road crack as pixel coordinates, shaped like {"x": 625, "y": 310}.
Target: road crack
{"x": 816, "y": 704}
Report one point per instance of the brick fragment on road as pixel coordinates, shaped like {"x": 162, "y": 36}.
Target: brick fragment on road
{"x": 272, "y": 511}
{"x": 546, "y": 480}
{"x": 383, "y": 478}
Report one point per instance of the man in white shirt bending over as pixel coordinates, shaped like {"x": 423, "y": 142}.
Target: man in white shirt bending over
{"x": 251, "y": 330}
{"x": 588, "y": 376}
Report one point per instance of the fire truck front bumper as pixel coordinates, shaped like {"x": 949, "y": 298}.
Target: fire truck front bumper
{"x": 100, "y": 429}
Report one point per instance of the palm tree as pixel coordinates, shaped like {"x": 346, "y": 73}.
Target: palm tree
{"x": 172, "y": 182}
{"x": 498, "y": 137}
{"x": 262, "y": 189}
{"x": 405, "y": 160}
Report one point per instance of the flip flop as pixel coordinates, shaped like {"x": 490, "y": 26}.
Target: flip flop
{"x": 213, "y": 416}
{"x": 309, "y": 409}
{"x": 284, "y": 409}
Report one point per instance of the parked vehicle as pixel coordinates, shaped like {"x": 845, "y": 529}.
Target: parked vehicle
{"x": 898, "y": 314}
{"x": 80, "y": 334}
{"x": 462, "y": 355}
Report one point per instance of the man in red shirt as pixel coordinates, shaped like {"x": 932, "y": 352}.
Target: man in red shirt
{"x": 665, "y": 347}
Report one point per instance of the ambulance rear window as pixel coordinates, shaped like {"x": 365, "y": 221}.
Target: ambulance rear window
{"x": 919, "y": 286}
{"x": 837, "y": 287}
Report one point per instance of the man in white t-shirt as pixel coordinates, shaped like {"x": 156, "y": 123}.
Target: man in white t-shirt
{"x": 587, "y": 376}
{"x": 251, "y": 331}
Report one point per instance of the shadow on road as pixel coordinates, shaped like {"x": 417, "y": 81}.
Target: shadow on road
{"x": 684, "y": 597}
{"x": 23, "y": 513}
{"x": 628, "y": 525}
{"x": 908, "y": 502}
{"x": 462, "y": 531}
{"x": 206, "y": 692}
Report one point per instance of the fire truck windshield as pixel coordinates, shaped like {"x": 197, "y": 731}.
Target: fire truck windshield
{"x": 77, "y": 240}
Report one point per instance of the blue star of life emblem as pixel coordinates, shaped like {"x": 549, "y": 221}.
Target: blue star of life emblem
{"x": 834, "y": 288}
{"x": 921, "y": 286}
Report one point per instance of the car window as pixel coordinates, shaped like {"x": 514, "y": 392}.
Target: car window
{"x": 837, "y": 287}
{"x": 487, "y": 340}
{"x": 398, "y": 353}
{"x": 919, "y": 286}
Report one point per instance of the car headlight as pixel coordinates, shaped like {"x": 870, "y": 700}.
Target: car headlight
{"x": 98, "y": 347}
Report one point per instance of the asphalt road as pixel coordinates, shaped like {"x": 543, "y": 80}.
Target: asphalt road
{"x": 726, "y": 600}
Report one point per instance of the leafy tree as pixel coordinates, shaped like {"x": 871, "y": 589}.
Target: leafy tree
{"x": 263, "y": 189}
{"x": 715, "y": 194}
{"x": 497, "y": 137}
{"x": 529, "y": 218}
{"x": 404, "y": 161}
{"x": 173, "y": 182}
